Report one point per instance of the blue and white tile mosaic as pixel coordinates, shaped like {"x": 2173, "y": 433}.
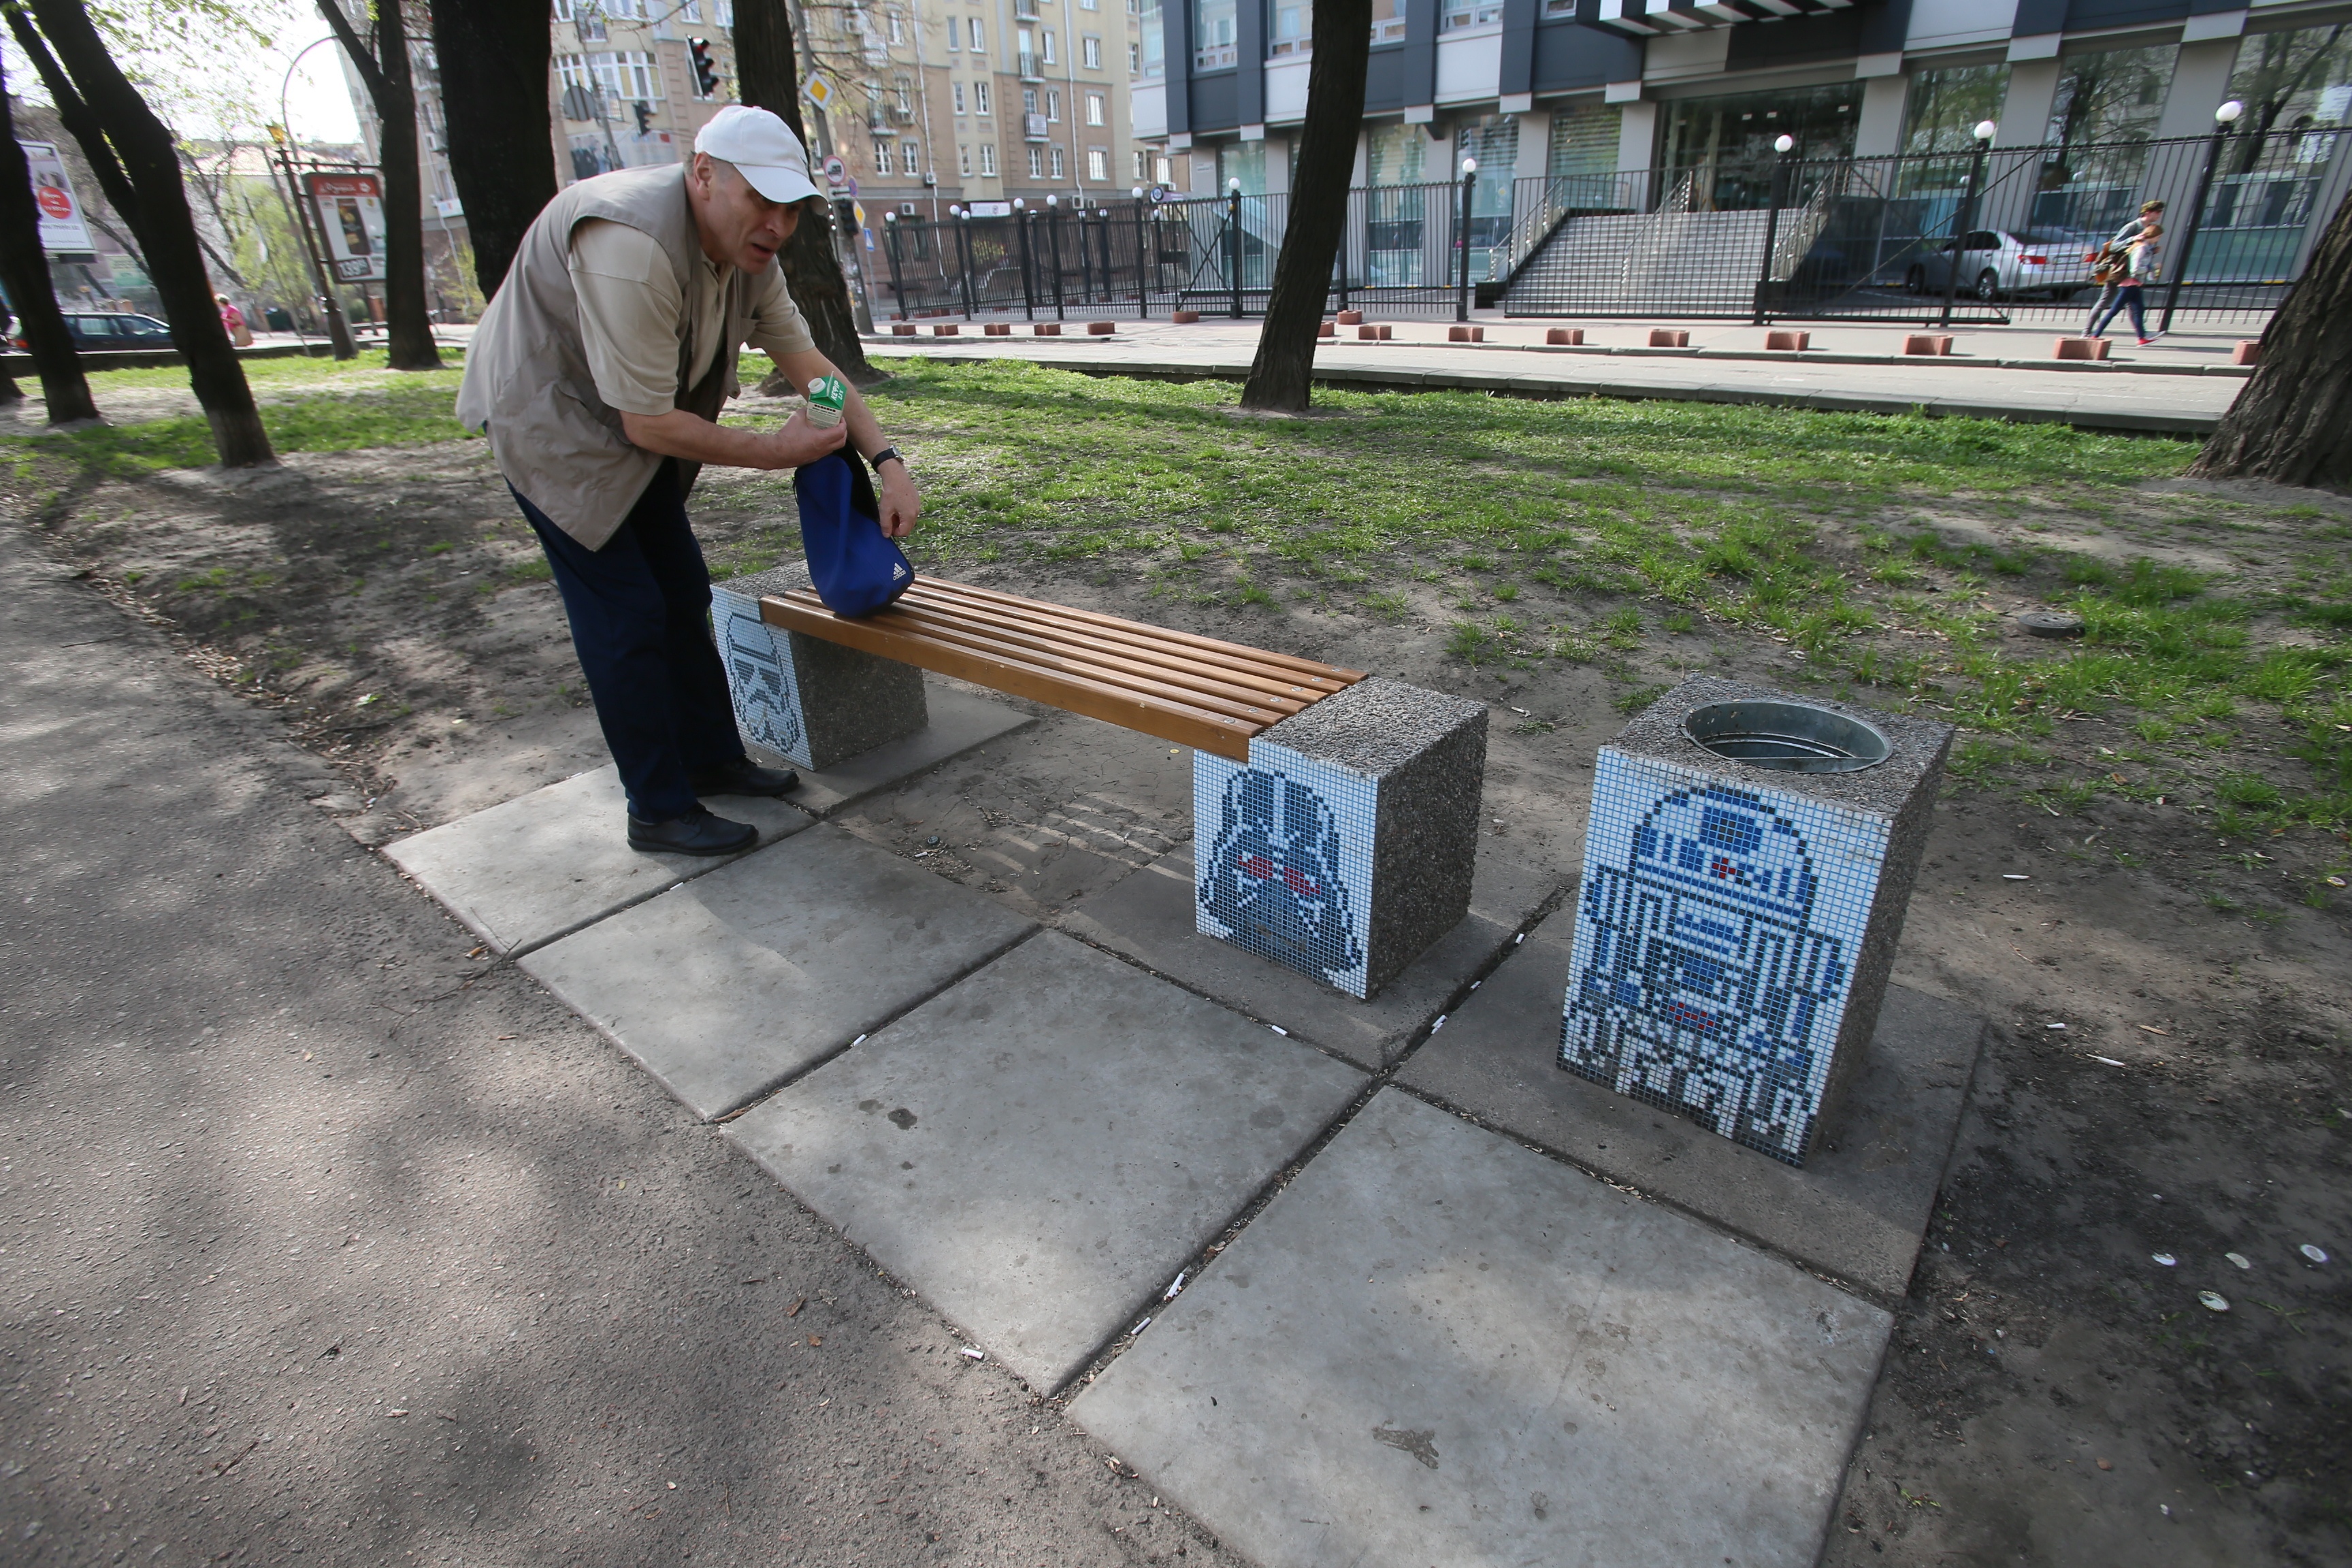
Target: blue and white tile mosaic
{"x": 1716, "y": 938}
{"x": 759, "y": 675}
{"x": 1286, "y": 860}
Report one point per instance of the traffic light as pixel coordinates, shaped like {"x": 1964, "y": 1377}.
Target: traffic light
{"x": 644, "y": 116}
{"x": 706, "y": 71}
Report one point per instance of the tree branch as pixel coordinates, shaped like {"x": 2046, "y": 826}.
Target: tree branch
{"x": 363, "y": 61}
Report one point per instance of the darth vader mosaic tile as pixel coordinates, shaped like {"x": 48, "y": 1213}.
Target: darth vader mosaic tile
{"x": 1716, "y": 942}
{"x": 1287, "y": 866}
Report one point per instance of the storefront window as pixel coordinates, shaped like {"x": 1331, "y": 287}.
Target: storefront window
{"x": 1946, "y": 107}
{"x": 1493, "y": 141}
{"x": 1717, "y": 152}
{"x": 1396, "y": 154}
{"x": 1243, "y": 160}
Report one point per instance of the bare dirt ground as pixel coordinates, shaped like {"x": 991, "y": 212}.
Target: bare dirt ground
{"x": 2170, "y": 1008}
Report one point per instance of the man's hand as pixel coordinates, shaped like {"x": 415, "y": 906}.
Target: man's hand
{"x": 799, "y": 443}
{"x": 902, "y": 503}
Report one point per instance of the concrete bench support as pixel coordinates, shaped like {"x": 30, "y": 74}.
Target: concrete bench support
{"x": 814, "y": 702}
{"x": 1344, "y": 847}
{"x": 1737, "y": 924}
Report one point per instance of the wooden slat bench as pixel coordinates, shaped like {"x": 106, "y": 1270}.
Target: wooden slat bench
{"x": 1318, "y": 792}
{"x": 1194, "y": 690}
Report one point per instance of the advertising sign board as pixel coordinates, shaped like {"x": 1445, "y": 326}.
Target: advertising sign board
{"x": 63, "y": 231}
{"x": 350, "y": 209}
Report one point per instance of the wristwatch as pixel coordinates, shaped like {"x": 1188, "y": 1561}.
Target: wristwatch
{"x": 886, "y": 455}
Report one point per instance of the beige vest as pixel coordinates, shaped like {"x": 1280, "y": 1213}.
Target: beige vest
{"x": 527, "y": 383}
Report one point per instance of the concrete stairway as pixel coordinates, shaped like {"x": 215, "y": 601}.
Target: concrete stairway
{"x": 1685, "y": 263}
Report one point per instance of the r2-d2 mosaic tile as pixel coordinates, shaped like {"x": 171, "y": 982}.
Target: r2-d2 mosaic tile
{"x": 814, "y": 702}
{"x": 1344, "y": 847}
{"x": 1737, "y": 925}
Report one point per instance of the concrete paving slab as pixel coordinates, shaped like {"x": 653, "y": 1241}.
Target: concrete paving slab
{"x": 1149, "y": 917}
{"x": 1040, "y": 1148}
{"x": 1437, "y": 1347}
{"x": 545, "y": 864}
{"x": 1858, "y": 1208}
{"x": 727, "y": 987}
{"x": 959, "y": 721}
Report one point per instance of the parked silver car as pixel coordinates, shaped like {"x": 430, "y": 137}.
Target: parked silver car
{"x": 1996, "y": 264}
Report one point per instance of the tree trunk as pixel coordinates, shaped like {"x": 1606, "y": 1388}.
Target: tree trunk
{"x": 494, "y": 61}
{"x": 158, "y": 214}
{"x": 408, "y": 325}
{"x": 25, "y": 271}
{"x": 768, "y": 77}
{"x": 2292, "y": 422}
{"x": 1282, "y": 377}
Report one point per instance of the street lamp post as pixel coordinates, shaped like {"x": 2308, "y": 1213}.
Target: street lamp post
{"x": 963, "y": 254}
{"x": 1142, "y": 244}
{"x": 1965, "y": 216}
{"x": 2224, "y": 117}
{"x": 1234, "y": 240}
{"x": 890, "y": 239}
{"x": 1462, "y": 239}
{"x": 1021, "y": 238}
{"x": 1054, "y": 249}
{"x": 1774, "y": 201}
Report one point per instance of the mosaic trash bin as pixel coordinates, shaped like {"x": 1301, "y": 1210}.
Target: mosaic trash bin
{"x": 1747, "y": 864}
{"x": 813, "y": 702}
{"x": 1344, "y": 847}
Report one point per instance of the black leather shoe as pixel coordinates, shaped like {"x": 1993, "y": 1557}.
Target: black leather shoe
{"x": 744, "y": 776}
{"x": 696, "y": 832}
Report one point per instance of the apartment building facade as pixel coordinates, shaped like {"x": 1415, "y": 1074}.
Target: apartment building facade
{"x": 1549, "y": 88}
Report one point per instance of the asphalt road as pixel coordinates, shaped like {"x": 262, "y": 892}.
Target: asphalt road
{"x": 322, "y": 1240}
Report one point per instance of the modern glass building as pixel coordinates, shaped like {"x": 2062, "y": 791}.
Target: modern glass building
{"x": 1693, "y": 94}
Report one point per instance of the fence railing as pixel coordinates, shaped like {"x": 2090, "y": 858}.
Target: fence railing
{"x": 1996, "y": 235}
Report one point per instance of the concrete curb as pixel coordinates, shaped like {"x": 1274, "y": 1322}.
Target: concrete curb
{"x": 1371, "y": 379}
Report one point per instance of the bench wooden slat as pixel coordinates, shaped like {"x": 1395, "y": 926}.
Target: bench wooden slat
{"x": 1111, "y": 658}
{"x": 980, "y": 639}
{"x": 1182, "y": 722}
{"x": 1273, "y": 682}
{"x": 1252, "y": 655}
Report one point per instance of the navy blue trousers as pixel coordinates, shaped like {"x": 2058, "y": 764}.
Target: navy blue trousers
{"x": 640, "y": 614}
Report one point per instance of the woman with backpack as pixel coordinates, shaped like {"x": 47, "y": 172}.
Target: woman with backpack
{"x": 2140, "y": 265}
{"x": 2111, "y": 265}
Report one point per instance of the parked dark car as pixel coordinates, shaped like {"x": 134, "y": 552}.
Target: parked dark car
{"x": 97, "y": 330}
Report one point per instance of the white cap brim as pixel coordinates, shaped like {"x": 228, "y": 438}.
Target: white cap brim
{"x": 778, "y": 183}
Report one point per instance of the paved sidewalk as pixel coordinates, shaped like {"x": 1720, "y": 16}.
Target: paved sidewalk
{"x": 1063, "y": 1139}
{"x": 2181, "y": 386}
{"x": 326, "y": 1243}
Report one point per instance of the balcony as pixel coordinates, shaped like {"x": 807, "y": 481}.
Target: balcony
{"x": 1031, "y": 70}
{"x": 1033, "y": 127}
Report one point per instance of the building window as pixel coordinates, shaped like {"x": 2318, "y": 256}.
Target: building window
{"x": 1089, "y": 4}
{"x": 898, "y": 29}
{"x": 1142, "y": 165}
{"x": 1099, "y": 166}
{"x": 1556, "y": 9}
{"x": 955, "y": 37}
{"x": 979, "y": 97}
{"x": 1093, "y": 109}
{"x": 963, "y": 158}
{"x": 1289, "y": 28}
{"x": 1943, "y": 107}
{"x": 629, "y": 75}
{"x": 1167, "y": 170}
{"x": 1028, "y": 101}
{"x": 1213, "y": 22}
{"x": 691, "y": 12}
{"x": 1053, "y": 106}
{"x": 1049, "y": 47}
{"x": 1058, "y": 171}
{"x": 1388, "y": 21}
{"x": 882, "y": 158}
{"x": 1584, "y": 145}
{"x": 1090, "y": 52}
{"x": 1460, "y": 14}
{"x": 905, "y": 95}
{"x": 1148, "y": 55}
{"x": 1036, "y": 164}
{"x": 988, "y": 160}
{"x": 911, "y": 158}
{"x": 957, "y": 88}
{"x": 978, "y": 39}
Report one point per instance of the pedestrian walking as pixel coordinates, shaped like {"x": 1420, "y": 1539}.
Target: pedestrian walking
{"x": 2110, "y": 263}
{"x": 2142, "y": 265}
{"x": 598, "y": 374}
{"x": 233, "y": 322}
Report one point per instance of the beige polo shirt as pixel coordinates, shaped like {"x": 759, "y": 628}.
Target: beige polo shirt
{"x": 630, "y": 311}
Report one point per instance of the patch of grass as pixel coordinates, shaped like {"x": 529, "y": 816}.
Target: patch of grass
{"x": 1632, "y": 702}
{"x": 399, "y": 413}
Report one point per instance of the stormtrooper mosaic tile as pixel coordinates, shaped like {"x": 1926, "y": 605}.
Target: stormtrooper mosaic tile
{"x": 1287, "y": 870}
{"x": 759, "y": 675}
{"x": 1716, "y": 940}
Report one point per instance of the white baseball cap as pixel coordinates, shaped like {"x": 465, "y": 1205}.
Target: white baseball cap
{"x": 758, "y": 142}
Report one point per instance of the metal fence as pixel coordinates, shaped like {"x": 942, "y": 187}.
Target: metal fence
{"x": 1996, "y": 236}
{"x": 2000, "y": 235}
{"x": 1211, "y": 254}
